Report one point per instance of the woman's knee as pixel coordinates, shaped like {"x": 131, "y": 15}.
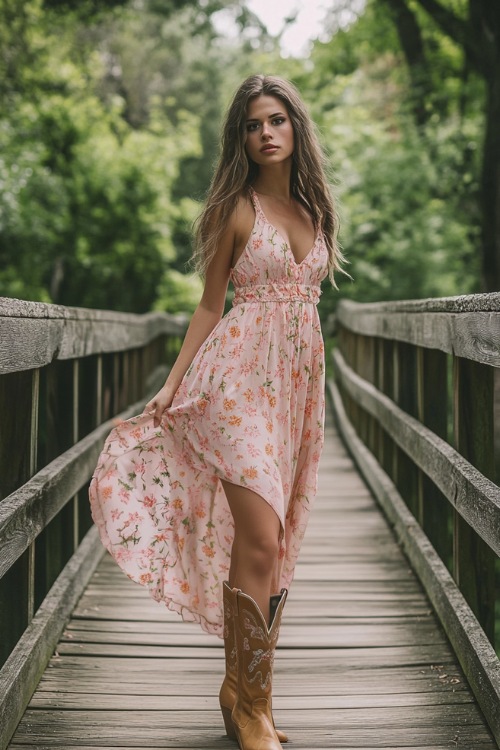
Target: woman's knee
{"x": 259, "y": 554}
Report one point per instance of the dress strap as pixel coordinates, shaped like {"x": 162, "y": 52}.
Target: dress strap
{"x": 256, "y": 204}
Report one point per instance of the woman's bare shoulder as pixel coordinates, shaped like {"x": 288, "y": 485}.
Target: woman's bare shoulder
{"x": 243, "y": 217}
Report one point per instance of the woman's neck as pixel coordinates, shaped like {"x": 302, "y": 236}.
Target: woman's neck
{"x": 273, "y": 182}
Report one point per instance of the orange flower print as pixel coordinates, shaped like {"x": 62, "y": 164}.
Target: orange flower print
{"x": 184, "y": 587}
{"x": 229, "y": 404}
{"x": 177, "y": 503}
{"x": 235, "y": 331}
{"x": 248, "y": 395}
{"x": 106, "y": 492}
{"x": 181, "y": 542}
{"x": 235, "y": 421}
{"x": 146, "y": 578}
{"x": 258, "y": 321}
{"x": 200, "y": 510}
{"x": 250, "y": 473}
{"x": 272, "y": 401}
{"x": 269, "y": 449}
{"x": 208, "y": 551}
{"x": 269, "y": 426}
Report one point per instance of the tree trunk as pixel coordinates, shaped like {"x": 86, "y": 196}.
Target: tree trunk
{"x": 479, "y": 37}
{"x": 490, "y": 185}
{"x": 410, "y": 38}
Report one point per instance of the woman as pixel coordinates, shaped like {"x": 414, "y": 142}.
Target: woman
{"x": 216, "y": 478}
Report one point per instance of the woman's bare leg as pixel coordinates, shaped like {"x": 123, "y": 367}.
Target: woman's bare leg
{"x": 255, "y": 546}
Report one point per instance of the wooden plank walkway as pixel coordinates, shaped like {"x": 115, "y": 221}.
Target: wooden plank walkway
{"x": 362, "y": 661}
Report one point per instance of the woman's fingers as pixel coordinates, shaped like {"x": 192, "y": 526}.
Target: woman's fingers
{"x": 158, "y": 413}
{"x": 155, "y": 409}
{"x": 157, "y": 406}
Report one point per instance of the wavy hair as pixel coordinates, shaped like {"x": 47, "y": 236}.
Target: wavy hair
{"x": 235, "y": 172}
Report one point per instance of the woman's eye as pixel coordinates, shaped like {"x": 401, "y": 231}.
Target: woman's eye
{"x": 278, "y": 120}
{"x": 252, "y": 126}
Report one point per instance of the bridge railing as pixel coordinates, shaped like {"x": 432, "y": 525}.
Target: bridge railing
{"x": 66, "y": 374}
{"x": 417, "y": 397}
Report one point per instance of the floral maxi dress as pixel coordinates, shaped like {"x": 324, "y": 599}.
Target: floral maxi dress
{"x": 250, "y": 410}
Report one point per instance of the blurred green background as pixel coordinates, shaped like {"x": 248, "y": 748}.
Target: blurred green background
{"x": 109, "y": 121}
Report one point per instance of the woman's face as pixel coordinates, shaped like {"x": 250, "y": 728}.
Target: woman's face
{"x": 269, "y": 131}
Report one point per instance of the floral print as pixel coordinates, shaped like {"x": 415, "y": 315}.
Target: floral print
{"x": 249, "y": 410}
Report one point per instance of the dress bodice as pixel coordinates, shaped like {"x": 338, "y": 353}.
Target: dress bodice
{"x": 267, "y": 269}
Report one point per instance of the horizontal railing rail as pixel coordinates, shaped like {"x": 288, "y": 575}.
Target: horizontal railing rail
{"x": 66, "y": 375}
{"x": 417, "y": 398}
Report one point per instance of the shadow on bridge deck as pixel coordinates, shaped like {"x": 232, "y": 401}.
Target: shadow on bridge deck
{"x": 362, "y": 662}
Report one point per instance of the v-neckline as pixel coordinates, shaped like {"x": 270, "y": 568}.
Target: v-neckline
{"x": 287, "y": 244}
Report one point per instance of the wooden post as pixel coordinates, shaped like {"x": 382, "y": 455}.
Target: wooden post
{"x": 98, "y": 398}
{"x": 405, "y": 395}
{"x": 386, "y": 386}
{"x": 126, "y": 380}
{"x": 116, "y": 383}
{"x": 474, "y": 562}
{"x": 17, "y": 454}
{"x": 35, "y": 398}
{"x": 434, "y": 511}
{"x": 76, "y": 512}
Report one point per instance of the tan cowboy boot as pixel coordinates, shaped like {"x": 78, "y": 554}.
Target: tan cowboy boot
{"x": 227, "y": 695}
{"x": 255, "y": 647}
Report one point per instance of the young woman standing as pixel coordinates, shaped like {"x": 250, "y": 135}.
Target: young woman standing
{"x": 215, "y": 480}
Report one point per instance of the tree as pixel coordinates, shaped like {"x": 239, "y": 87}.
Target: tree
{"x": 477, "y": 33}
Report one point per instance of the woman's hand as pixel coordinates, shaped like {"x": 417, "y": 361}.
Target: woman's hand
{"x": 159, "y": 403}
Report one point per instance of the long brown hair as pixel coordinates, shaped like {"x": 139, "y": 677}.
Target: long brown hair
{"x": 235, "y": 172}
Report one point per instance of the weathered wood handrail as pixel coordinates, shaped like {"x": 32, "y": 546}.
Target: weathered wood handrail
{"x": 65, "y": 374}
{"x": 418, "y": 385}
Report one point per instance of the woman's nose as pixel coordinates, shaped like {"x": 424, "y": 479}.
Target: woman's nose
{"x": 266, "y": 133}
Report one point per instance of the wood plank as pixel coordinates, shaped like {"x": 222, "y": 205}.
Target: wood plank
{"x": 163, "y": 679}
{"x": 423, "y": 725}
{"x": 36, "y": 333}
{"x": 454, "y": 325}
{"x": 91, "y": 701}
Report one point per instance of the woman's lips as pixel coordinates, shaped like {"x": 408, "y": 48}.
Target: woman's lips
{"x": 269, "y": 149}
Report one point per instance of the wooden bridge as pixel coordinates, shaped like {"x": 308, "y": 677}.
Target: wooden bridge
{"x": 390, "y": 631}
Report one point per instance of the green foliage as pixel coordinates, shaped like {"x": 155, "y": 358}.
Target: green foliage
{"x": 109, "y": 131}
{"x": 408, "y": 194}
{"x": 179, "y": 292}
{"x": 85, "y": 200}
{"x": 404, "y": 226}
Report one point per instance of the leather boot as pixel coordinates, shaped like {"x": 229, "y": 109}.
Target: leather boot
{"x": 255, "y": 647}
{"x": 227, "y": 694}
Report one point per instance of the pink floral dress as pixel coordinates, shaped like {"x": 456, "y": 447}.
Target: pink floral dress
{"x": 249, "y": 410}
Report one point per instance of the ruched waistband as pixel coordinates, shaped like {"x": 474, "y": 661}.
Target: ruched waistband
{"x": 277, "y": 292}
